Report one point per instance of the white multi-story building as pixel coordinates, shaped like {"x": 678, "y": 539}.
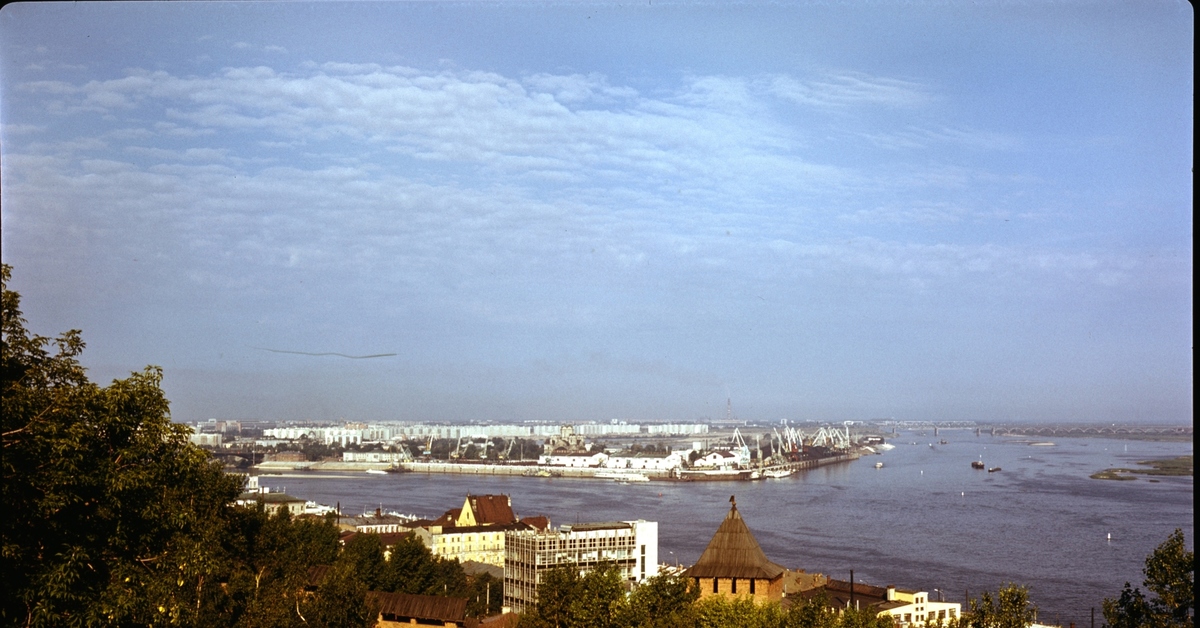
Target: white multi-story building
{"x": 631, "y": 546}
{"x": 677, "y": 429}
{"x": 289, "y": 433}
{"x": 607, "y": 429}
{"x": 341, "y": 436}
{"x": 645, "y": 461}
{"x": 909, "y": 608}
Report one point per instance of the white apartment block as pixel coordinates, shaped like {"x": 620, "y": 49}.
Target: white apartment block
{"x": 631, "y": 546}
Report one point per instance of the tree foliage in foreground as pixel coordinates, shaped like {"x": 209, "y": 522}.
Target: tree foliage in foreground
{"x": 567, "y": 599}
{"x": 1170, "y": 576}
{"x": 1008, "y": 608}
{"x": 111, "y": 517}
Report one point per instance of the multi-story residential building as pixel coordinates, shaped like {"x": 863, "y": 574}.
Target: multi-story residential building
{"x": 734, "y": 564}
{"x": 482, "y": 544}
{"x": 476, "y": 531}
{"x": 631, "y": 546}
{"x": 906, "y": 608}
{"x": 670, "y": 429}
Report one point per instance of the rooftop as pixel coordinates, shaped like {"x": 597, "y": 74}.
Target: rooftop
{"x": 733, "y": 552}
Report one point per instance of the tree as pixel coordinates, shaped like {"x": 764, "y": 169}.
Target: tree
{"x": 600, "y": 598}
{"x": 1009, "y": 608}
{"x": 557, "y": 590}
{"x": 111, "y": 516}
{"x": 103, "y": 495}
{"x": 485, "y": 595}
{"x": 1170, "y": 576}
{"x": 664, "y": 600}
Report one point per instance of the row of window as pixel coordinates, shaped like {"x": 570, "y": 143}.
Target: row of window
{"x": 941, "y": 616}
{"x": 733, "y": 585}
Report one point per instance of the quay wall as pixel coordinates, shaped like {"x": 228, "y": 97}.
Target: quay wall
{"x": 513, "y": 470}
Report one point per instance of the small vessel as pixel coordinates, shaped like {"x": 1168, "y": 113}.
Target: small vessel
{"x": 623, "y": 478}
{"x": 376, "y": 471}
{"x": 977, "y": 464}
{"x": 943, "y": 442}
{"x": 776, "y": 474}
{"x": 993, "y": 469}
{"x": 878, "y": 465}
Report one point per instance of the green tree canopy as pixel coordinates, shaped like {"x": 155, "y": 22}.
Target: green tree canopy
{"x": 1008, "y": 608}
{"x": 112, "y": 517}
{"x": 1170, "y": 576}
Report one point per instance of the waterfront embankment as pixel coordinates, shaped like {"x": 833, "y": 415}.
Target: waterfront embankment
{"x": 528, "y": 470}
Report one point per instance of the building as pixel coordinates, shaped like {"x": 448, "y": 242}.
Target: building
{"x": 574, "y": 461}
{"x": 403, "y": 609}
{"x": 272, "y": 503}
{"x": 378, "y": 522}
{"x": 734, "y": 564}
{"x": 646, "y": 461}
{"x": 718, "y": 460}
{"x": 476, "y": 531}
{"x": 907, "y": 608}
{"x": 630, "y": 546}
{"x": 481, "y": 544}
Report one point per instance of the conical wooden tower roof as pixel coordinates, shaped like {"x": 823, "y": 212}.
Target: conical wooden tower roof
{"x": 733, "y": 552}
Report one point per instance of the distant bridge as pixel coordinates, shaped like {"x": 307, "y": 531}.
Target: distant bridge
{"x": 1075, "y": 429}
{"x": 909, "y": 425}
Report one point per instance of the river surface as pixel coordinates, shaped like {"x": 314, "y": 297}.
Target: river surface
{"x": 924, "y": 521}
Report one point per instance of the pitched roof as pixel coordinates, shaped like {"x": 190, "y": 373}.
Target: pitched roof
{"x": 434, "y": 607}
{"x": 733, "y": 552}
{"x": 540, "y": 522}
{"x": 491, "y": 509}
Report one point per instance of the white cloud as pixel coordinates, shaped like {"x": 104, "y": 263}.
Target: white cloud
{"x": 422, "y": 180}
{"x": 849, "y": 89}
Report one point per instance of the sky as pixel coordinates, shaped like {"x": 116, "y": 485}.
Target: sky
{"x": 593, "y": 211}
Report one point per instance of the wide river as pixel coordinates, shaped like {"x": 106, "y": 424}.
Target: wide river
{"x": 925, "y": 520}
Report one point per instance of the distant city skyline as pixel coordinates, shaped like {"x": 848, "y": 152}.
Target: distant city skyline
{"x": 429, "y": 211}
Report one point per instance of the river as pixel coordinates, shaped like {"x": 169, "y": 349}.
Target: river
{"x": 925, "y": 520}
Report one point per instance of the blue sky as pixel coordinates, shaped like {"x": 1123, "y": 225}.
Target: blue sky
{"x": 595, "y": 211}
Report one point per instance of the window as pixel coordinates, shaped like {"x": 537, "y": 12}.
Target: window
{"x": 952, "y": 613}
{"x": 752, "y": 586}
{"x": 907, "y": 618}
{"x": 733, "y": 585}
{"x": 714, "y": 585}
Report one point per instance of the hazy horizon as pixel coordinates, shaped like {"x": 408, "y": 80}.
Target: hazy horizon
{"x": 433, "y": 211}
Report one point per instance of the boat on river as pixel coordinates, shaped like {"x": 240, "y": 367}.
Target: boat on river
{"x": 977, "y": 464}
{"x": 776, "y": 474}
{"x": 993, "y": 469}
{"x": 623, "y": 478}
